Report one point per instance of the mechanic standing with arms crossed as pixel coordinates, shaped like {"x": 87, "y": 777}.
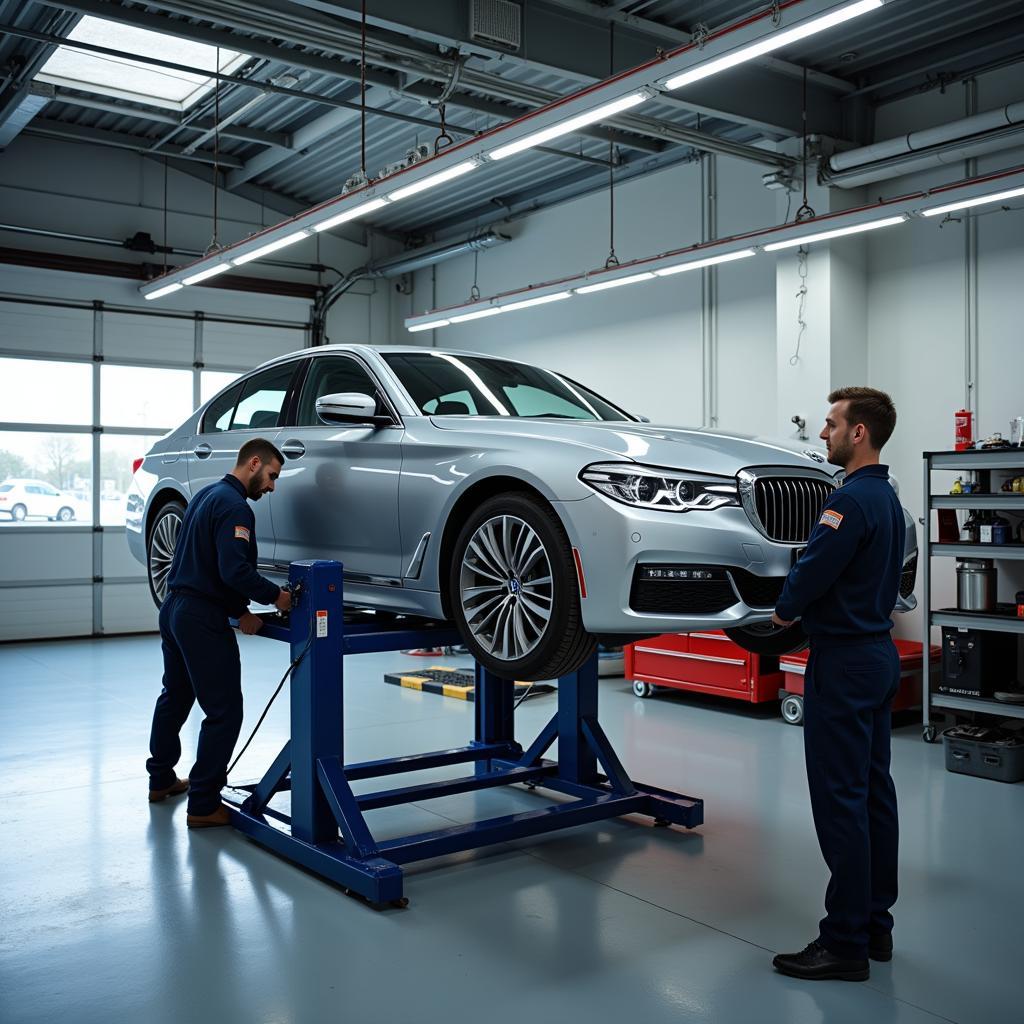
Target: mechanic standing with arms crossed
{"x": 845, "y": 586}
{"x": 213, "y": 577}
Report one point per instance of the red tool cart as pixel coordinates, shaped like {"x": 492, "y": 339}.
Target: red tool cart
{"x": 712, "y": 663}
{"x": 908, "y": 695}
{"x": 704, "y": 663}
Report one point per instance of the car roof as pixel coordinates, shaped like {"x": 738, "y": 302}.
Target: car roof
{"x": 321, "y": 350}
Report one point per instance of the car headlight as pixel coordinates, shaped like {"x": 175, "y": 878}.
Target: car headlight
{"x": 665, "y": 489}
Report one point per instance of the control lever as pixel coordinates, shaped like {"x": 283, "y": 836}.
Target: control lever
{"x": 296, "y": 591}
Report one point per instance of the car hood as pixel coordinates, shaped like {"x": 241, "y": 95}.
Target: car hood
{"x": 700, "y": 450}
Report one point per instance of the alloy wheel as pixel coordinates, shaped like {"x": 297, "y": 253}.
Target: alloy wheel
{"x": 161, "y": 551}
{"x": 506, "y": 587}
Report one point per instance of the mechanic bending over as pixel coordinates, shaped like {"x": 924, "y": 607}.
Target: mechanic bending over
{"x": 845, "y": 586}
{"x": 213, "y": 577}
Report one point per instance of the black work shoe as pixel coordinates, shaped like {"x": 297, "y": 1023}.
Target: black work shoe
{"x": 816, "y": 963}
{"x": 880, "y": 947}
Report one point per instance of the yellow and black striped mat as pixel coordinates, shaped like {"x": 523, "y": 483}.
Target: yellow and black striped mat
{"x": 449, "y": 682}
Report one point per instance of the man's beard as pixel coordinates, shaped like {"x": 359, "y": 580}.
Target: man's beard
{"x": 839, "y": 454}
{"x": 257, "y": 485}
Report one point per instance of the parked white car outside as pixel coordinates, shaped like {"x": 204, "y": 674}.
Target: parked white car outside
{"x": 21, "y": 499}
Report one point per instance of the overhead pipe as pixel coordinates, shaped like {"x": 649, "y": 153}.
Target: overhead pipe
{"x": 988, "y": 132}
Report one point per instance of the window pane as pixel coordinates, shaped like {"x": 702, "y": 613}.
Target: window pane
{"x": 331, "y": 375}
{"x": 211, "y": 382}
{"x": 116, "y": 456}
{"x": 140, "y": 396}
{"x": 45, "y": 478}
{"x": 262, "y": 398}
{"x": 39, "y": 391}
{"x": 218, "y": 417}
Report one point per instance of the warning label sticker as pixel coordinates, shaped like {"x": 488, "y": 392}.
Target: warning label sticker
{"x": 321, "y": 623}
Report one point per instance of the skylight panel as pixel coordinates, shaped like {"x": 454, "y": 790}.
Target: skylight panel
{"x": 131, "y": 79}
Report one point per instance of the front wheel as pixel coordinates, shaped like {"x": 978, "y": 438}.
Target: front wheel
{"x": 513, "y": 591}
{"x": 163, "y": 538}
{"x": 65, "y": 515}
{"x": 769, "y": 640}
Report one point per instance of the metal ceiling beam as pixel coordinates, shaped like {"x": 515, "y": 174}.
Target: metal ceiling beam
{"x": 135, "y": 143}
{"x": 756, "y": 96}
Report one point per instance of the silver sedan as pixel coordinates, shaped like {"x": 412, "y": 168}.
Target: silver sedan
{"x": 535, "y": 514}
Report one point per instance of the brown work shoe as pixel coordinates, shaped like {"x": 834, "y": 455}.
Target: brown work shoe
{"x": 221, "y": 816}
{"x": 180, "y": 786}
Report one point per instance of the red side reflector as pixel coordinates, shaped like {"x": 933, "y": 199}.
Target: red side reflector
{"x": 579, "y": 573}
{"x": 136, "y": 463}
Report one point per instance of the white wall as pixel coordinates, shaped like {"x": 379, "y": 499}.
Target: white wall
{"x": 641, "y": 346}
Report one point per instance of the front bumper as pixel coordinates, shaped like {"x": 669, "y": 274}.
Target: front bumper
{"x": 614, "y": 539}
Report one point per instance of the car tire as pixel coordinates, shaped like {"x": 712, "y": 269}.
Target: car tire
{"x": 65, "y": 515}
{"x": 769, "y": 640}
{"x": 160, "y": 544}
{"x": 513, "y": 591}
{"x": 19, "y": 513}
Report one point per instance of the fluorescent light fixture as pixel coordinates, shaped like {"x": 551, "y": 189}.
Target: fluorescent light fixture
{"x": 477, "y": 314}
{"x": 566, "y": 127}
{"x": 540, "y": 301}
{"x": 773, "y": 42}
{"x": 350, "y": 214}
{"x": 964, "y": 204}
{"x": 711, "y": 261}
{"x": 440, "y": 178}
{"x": 821, "y": 236}
{"x": 218, "y": 268}
{"x": 166, "y": 290}
{"x": 266, "y": 250}
{"x": 428, "y": 326}
{"x": 600, "y": 287}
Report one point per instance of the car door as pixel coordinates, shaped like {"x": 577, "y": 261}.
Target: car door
{"x": 338, "y": 495}
{"x": 251, "y": 408}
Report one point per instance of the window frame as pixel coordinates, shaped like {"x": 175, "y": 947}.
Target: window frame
{"x": 299, "y": 383}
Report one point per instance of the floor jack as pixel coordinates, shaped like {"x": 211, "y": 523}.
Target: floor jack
{"x": 327, "y": 832}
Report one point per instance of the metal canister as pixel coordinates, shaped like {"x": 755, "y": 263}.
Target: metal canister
{"x": 976, "y": 585}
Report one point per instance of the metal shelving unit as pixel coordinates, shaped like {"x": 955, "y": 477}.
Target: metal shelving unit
{"x": 1011, "y": 459}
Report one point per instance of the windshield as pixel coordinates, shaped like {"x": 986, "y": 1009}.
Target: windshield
{"x": 454, "y": 385}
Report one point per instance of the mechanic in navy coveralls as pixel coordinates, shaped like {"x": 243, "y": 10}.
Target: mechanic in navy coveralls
{"x": 844, "y": 587}
{"x": 213, "y": 577}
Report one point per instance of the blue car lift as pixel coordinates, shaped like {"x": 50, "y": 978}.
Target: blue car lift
{"x": 327, "y": 832}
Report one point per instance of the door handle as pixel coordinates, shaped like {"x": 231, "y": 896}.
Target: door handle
{"x": 202, "y": 451}
{"x": 293, "y": 449}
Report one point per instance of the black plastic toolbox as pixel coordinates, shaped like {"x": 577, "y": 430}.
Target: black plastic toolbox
{"x": 985, "y": 752}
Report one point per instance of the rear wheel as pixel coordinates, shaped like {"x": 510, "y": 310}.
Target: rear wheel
{"x": 769, "y": 640}
{"x": 513, "y": 591}
{"x": 18, "y": 513}
{"x": 163, "y": 538}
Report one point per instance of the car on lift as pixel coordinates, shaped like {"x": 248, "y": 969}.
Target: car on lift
{"x": 23, "y": 499}
{"x": 538, "y": 516}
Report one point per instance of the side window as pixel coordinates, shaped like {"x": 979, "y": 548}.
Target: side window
{"x": 458, "y": 403}
{"x": 49, "y": 491}
{"x": 263, "y": 398}
{"x": 331, "y": 375}
{"x": 218, "y": 415}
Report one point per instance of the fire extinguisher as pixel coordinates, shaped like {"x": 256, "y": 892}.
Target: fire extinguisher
{"x": 963, "y": 434}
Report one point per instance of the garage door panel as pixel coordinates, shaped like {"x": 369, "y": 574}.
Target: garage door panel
{"x": 118, "y": 561}
{"x": 51, "y": 554}
{"x": 30, "y": 613}
{"x": 45, "y": 329}
{"x": 152, "y": 338}
{"x": 247, "y": 345}
{"x": 128, "y": 608}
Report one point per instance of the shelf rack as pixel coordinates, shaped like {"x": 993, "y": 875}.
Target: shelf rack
{"x": 1011, "y": 459}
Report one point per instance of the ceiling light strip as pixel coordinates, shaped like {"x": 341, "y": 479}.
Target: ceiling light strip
{"x": 588, "y": 106}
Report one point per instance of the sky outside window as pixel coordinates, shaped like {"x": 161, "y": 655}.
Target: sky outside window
{"x": 131, "y": 79}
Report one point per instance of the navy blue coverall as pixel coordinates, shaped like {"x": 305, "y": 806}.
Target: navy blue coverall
{"x": 213, "y": 576}
{"x": 844, "y": 587}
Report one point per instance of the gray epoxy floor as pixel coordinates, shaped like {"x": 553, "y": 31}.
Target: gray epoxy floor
{"x": 111, "y": 911}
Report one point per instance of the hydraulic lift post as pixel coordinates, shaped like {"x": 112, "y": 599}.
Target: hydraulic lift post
{"x": 326, "y": 830}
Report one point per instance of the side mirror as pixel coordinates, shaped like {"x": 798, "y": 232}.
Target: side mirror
{"x": 643, "y": 419}
{"x": 349, "y": 407}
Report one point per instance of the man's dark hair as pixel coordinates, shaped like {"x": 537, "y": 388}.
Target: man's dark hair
{"x": 258, "y": 446}
{"x": 872, "y": 408}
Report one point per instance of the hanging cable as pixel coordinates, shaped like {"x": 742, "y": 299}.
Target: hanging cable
{"x": 806, "y": 211}
{"x": 167, "y": 244}
{"x": 612, "y": 260}
{"x": 801, "y": 296}
{"x": 362, "y": 90}
{"x": 215, "y": 241}
{"x": 474, "y": 292}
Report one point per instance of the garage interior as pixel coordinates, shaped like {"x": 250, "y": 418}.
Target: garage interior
{"x": 143, "y": 143}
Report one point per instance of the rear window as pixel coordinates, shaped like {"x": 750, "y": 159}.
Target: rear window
{"x": 6, "y": 487}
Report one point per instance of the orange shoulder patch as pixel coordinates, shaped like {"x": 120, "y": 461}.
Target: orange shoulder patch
{"x": 831, "y": 518}
{"x": 241, "y": 533}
